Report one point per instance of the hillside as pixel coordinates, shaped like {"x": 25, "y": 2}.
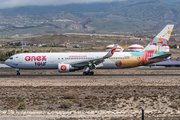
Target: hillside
{"x": 149, "y": 11}
{"x": 105, "y": 17}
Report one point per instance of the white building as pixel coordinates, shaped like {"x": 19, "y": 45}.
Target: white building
{"x": 135, "y": 47}
{"x": 167, "y": 49}
{"x": 109, "y": 47}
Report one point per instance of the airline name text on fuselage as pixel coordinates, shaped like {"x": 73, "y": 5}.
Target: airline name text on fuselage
{"x": 35, "y": 58}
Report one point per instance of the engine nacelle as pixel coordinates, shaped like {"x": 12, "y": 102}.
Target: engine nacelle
{"x": 65, "y": 68}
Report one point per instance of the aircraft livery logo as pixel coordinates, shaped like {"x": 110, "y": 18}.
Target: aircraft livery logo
{"x": 40, "y": 63}
{"x": 35, "y": 58}
{"x": 162, "y": 40}
{"x": 118, "y": 63}
{"x": 63, "y": 67}
{"x": 112, "y": 51}
{"x": 39, "y": 60}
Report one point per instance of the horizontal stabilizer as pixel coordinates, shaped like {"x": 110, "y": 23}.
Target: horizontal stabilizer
{"x": 159, "y": 57}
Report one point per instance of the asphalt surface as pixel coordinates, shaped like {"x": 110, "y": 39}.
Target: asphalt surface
{"x": 136, "y": 68}
{"x": 60, "y": 74}
{"x": 8, "y": 75}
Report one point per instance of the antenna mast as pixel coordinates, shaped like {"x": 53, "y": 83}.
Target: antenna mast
{"x": 22, "y": 43}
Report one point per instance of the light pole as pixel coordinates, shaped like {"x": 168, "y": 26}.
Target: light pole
{"x": 142, "y": 113}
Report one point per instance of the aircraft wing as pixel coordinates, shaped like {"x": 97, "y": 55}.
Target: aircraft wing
{"x": 159, "y": 57}
{"x": 95, "y": 61}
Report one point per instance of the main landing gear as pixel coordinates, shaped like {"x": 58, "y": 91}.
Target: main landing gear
{"x": 87, "y": 71}
{"x": 17, "y": 70}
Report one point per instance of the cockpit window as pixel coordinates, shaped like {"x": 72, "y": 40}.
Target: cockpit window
{"x": 11, "y": 58}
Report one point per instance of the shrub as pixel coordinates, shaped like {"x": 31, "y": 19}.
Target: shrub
{"x": 53, "y": 96}
{"x": 26, "y": 51}
{"x": 66, "y": 104}
{"x": 14, "y": 96}
{"x": 24, "y": 96}
{"x": 71, "y": 95}
{"x": 22, "y": 106}
{"x": 37, "y": 96}
{"x": 174, "y": 105}
{"x": 40, "y": 103}
{"x": 117, "y": 92}
{"x": 81, "y": 103}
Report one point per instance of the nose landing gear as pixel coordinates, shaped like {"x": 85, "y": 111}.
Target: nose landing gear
{"x": 18, "y": 73}
{"x": 17, "y": 70}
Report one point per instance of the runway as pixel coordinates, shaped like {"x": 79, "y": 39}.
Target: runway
{"x": 140, "y": 71}
{"x": 136, "y": 68}
{"x": 98, "y": 75}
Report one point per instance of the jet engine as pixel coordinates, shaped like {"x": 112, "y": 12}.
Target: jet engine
{"x": 65, "y": 68}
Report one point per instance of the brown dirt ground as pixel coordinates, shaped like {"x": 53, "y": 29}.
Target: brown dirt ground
{"x": 96, "y": 97}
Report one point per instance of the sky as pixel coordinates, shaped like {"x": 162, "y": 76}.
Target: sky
{"x": 18, "y": 3}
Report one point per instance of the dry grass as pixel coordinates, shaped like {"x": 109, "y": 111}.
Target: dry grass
{"x": 66, "y": 104}
{"x": 71, "y": 95}
{"x": 53, "y": 96}
{"x": 22, "y": 106}
{"x": 81, "y": 103}
{"x": 174, "y": 105}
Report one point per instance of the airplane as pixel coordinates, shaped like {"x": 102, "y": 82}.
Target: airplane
{"x": 72, "y": 61}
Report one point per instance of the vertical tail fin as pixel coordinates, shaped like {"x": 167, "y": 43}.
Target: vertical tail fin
{"x": 159, "y": 43}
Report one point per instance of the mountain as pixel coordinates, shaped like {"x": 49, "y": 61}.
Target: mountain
{"x": 72, "y": 8}
{"x": 149, "y": 11}
{"x": 103, "y": 17}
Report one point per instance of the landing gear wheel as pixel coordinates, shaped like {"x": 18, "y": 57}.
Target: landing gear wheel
{"x": 91, "y": 73}
{"x": 88, "y": 73}
{"x": 18, "y": 73}
{"x": 17, "y": 70}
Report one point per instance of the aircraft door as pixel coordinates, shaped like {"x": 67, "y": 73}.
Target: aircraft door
{"x": 52, "y": 63}
{"x": 52, "y": 58}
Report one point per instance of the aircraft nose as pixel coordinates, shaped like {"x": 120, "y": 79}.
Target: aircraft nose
{"x": 6, "y": 62}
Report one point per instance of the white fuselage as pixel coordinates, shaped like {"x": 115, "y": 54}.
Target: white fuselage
{"x": 51, "y": 60}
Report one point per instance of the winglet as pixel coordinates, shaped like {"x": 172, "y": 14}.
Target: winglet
{"x": 111, "y": 52}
